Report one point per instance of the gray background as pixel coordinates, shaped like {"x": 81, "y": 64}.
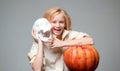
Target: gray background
{"x": 99, "y": 18}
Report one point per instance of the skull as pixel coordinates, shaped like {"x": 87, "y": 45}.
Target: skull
{"x": 42, "y": 29}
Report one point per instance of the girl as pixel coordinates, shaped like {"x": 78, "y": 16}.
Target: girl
{"x": 44, "y": 59}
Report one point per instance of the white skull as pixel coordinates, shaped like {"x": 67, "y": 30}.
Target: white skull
{"x": 43, "y": 29}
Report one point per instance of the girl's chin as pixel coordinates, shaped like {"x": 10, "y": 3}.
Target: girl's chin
{"x": 57, "y": 33}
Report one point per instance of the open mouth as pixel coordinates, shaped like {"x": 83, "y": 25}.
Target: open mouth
{"x": 57, "y": 30}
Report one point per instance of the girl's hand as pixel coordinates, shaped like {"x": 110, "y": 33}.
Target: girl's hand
{"x": 55, "y": 43}
{"x": 35, "y": 37}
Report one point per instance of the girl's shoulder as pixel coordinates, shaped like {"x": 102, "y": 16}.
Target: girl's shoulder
{"x": 74, "y": 34}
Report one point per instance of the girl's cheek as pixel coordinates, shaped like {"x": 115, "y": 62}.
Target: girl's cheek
{"x": 52, "y": 25}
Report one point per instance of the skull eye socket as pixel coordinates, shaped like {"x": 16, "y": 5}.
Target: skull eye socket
{"x": 46, "y": 34}
{"x": 39, "y": 32}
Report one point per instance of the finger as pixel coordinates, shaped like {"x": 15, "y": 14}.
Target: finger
{"x": 34, "y": 36}
{"x": 55, "y": 38}
{"x": 33, "y": 33}
{"x": 51, "y": 40}
{"x": 52, "y": 46}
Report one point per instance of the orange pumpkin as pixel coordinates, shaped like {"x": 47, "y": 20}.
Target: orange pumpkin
{"x": 81, "y": 58}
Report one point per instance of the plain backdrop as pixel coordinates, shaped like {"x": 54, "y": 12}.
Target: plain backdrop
{"x": 99, "y": 18}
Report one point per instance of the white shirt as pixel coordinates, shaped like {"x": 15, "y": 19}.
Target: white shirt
{"x": 53, "y": 57}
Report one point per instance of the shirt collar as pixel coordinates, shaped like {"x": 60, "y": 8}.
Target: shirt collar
{"x": 65, "y": 33}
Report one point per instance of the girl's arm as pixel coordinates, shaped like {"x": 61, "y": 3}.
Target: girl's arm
{"x": 37, "y": 63}
{"x": 82, "y": 41}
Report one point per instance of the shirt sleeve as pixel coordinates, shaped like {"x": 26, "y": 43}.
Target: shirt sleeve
{"x": 33, "y": 52}
{"x": 77, "y": 35}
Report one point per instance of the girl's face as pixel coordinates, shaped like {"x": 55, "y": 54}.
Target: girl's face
{"x": 58, "y": 24}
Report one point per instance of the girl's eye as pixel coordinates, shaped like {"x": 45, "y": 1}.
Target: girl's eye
{"x": 61, "y": 21}
{"x": 53, "y": 21}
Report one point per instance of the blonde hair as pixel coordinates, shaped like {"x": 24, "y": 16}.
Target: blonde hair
{"x": 49, "y": 14}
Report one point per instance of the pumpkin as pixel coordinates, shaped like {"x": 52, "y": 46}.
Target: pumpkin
{"x": 81, "y": 58}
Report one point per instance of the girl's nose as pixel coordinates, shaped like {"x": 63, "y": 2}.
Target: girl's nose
{"x": 57, "y": 24}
